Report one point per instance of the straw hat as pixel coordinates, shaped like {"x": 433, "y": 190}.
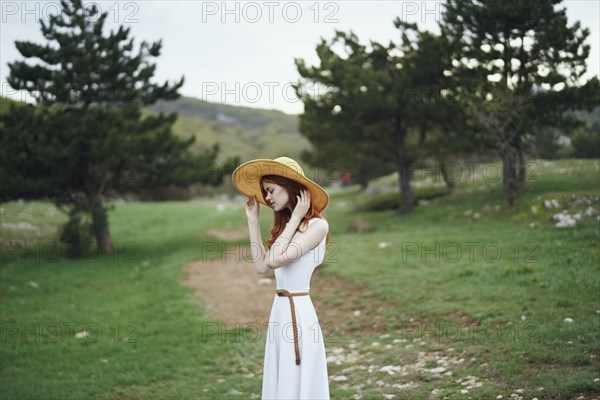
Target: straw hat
{"x": 246, "y": 179}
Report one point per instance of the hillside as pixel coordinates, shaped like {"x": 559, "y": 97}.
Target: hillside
{"x": 241, "y": 131}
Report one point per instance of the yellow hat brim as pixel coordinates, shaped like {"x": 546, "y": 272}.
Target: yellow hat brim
{"x": 246, "y": 180}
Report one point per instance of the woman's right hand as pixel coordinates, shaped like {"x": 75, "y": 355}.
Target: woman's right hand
{"x": 252, "y": 208}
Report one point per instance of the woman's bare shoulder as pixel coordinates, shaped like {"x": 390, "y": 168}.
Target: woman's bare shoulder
{"x": 313, "y": 221}
{"x": 320, "y": 221}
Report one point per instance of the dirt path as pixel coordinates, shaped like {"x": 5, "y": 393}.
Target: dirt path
{"x": 233, "y": 293}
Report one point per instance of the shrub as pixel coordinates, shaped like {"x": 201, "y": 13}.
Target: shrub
{"x": 586, "y": 143}
{"x": 391, "y": 201}
{"x": 77, "y": 234}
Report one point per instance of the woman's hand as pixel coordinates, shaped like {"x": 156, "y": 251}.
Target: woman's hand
{"x": 303, "y": 204}
{"x": 252, "y": 208}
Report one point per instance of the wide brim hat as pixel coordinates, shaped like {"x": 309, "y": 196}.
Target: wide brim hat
{"x": 246, "y": 179}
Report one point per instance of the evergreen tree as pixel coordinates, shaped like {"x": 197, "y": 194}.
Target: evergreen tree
{"x": 518, "y": 65}
{"x": 376, "y": 103}
{"x": 87, "y": 139}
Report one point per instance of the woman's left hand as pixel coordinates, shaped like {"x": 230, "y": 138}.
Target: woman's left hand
{"x": 303, "y": 204}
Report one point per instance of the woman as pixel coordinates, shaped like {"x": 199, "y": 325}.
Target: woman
{"x": 295, "y": 365}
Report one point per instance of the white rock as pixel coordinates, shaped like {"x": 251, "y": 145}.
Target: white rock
{"x": 331, "y": 359}
{"x": 398, "y": 341}
{"x": 34, "y": 284}
{"x": 437, "y": 370}
{"x": 464, "y": 391}
{"x": 568, "y": 320}
{"x": 523, "y": 317}
{"x": 390, "y": 369}
{"x": 532, "y": 225}
{"x": 383, "y": 245}
{"x": 520, "y": 390}
{"x": 375, "y": 344}
{"x": 564, "y": 220}
{"x": 340, "y": 378}
{"x": 389, "y": 396}
{"x": 82, "y": 334}
{"x": 356, "y": 313}
{"x": 534, "y": 209}
{"x": 403, "y": 386}
{"x": 499, "y": 396}
{"x": 234, "y": 392}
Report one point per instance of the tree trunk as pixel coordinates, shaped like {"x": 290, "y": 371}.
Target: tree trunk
{"x": 522, "y": 169}
{"x": 444, "y": 170}
{"x": 405, "y": 166}
{"x": 508, "y": 154}
{"x": 405, "y": 170}
{"x": 100, "y": 223}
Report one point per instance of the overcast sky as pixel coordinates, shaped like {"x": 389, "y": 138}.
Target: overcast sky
{"x": 242, "y": 53}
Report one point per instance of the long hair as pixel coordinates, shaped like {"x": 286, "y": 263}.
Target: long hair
{"x": 281, "y": 218}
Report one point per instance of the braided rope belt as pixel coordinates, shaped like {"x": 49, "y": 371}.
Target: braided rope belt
{"x": 285, "y": 293}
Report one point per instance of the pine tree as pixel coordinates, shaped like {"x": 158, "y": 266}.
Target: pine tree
{"x": 518, "y": 66}
{"x": 376, "y": 104}
{"x": 88, "y": 139}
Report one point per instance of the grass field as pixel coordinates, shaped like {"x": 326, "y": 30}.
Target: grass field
{"x": 473, "y": 299}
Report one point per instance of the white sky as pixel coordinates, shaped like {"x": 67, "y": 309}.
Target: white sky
{"x": 242, "y": 52}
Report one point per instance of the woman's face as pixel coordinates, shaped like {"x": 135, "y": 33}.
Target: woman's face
{"x": 277, "y": 197}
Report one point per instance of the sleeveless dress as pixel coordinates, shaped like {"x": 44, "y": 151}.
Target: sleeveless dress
{"x": 282, "y": 378}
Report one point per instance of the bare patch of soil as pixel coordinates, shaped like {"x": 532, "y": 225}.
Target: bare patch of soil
{"x": 234, "y": 293}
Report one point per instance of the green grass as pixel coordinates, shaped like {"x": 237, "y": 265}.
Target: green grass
{"x": 150, "y": 337}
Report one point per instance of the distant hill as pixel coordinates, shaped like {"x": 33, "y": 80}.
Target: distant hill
{"x": 241, "y": 131}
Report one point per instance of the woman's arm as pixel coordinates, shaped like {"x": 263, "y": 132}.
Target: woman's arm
{"x": 290, "y": 252}
{"x": 257, "y": 247}
{"x": 276, "y": 256}
{"x": 256, "y": 244}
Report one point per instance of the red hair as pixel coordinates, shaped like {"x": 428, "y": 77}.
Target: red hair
{"x": 282, "y": 217}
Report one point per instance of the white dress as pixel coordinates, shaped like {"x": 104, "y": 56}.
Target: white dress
{"x": 282, "y": 378}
